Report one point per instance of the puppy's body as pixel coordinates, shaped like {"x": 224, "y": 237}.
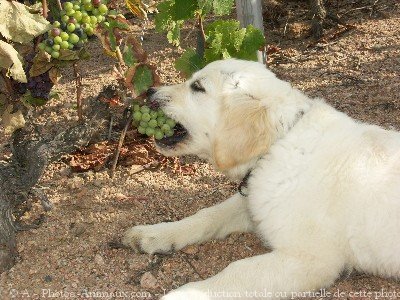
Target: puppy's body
{"x": 323, "y": 190}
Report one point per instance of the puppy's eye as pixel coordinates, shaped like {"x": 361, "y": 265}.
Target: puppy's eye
{"x": 197, "y": 87}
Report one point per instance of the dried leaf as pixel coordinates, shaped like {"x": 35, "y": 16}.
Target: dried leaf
{"x": 110, "y": 34}
{"x": 18, "y": 24}
{"x": 12, "y": 120}
{"x": 9, "y": 59}
{"x": 41, "y": 63}
{"x": 133, "y": 52}
{"x": 55, "y": 75}
{"x": 137, "y": 8}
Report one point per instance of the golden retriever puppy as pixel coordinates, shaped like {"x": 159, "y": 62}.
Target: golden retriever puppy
{"x": 321, "y": 189}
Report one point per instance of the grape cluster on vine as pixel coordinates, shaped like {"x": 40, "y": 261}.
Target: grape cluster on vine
{"x": 78, "y": 21}
{"x": 152, "y": 122}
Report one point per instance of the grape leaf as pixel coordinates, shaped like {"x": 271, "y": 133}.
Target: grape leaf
{"x": 189, "y": 62}
{"x": 132, "y": 52}
{"x": 140, "y": 77}
{"x": 18, "y": 24}
{"x": 41, "y": 64}
{"x": 10, "y": 60}
{"x": 12, "y": 120}
{"x": 226, "y": 39}
{"x": 110, "y": 32}
{"x": 184, "y": 9}
{"x": 138, "y": 8}
{"x": 164, "y": 21}
{"x": 218, "y": 7}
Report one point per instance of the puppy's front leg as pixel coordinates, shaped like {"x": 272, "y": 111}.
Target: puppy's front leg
{"x": 214, "y": 222}
{"x": 275, "y": 275}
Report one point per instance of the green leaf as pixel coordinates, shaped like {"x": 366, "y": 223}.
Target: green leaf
{"x": 165, "y": 22}
{"x": 189, "y": 62}
{"x": 18, "y": 24}
{"x": 128, "y": 55}
{"x": 225, "y": 39}
{"x": 184, "y": 9}
{"x": 218, "y": 7}
{"x": 143, "y": 79}
{"x": 253, "y": 40}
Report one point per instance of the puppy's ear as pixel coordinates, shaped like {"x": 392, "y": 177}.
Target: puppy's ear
{"x": 244, "y": 132}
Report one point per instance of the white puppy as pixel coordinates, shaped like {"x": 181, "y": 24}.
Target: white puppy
{"x": 323, "y": 190}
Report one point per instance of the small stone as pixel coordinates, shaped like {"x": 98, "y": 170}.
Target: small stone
{"x": 148, "y": 281}
{"x": 78, "y": 229}
{"x": 97, "y": 183}
{"x": 191, "y": 250}
{"x": 99, "y": 260}
{"x": 48, "y": 278}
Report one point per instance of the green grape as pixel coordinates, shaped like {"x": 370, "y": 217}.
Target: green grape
{"x": 141, "y": 130}
{"x": 95, "y": 12}
{"x": 48, "y": 49}
{"x": 73, "y": 38}
{"x": 160, "y": 113}
{"x": 158, "y": 134}
{"x": 145, "y": 109}
{"x": 65, "y": 18}
{"x": 64, "y": 45}
{"x": 146, "y": 117}
{"x": 64, "y": 36}
{"x": 143, "y": 124}
{"x": 89, "y": 31}
{"x": 70, "y": 12}
{"x": 77, "y": 7}
{"x": 78, "y": 16}
{"x": 58, "y": 39}
{"x": 84, "y": 12}
{"x": 165, "y": 128}
{"x": 55, "y": 54}
{"x": 56, "y": 47}
{"x": 153, "y": 123}
{"x": 153, "y": 114}
{"x": 42, "y": 46}
{"x": 86, "y": 2}
{"x": 161, "y": 121}
{"x": 169, "y": 133}
{"x": 88, "y": 7}
{"x": 136, "y": 107}
{"x": 103, "y": 9}
{"x": 100, "y": 18}
{"x": 71, "y": 27}
{"x": 171, "y": 123}
{"x": 68, "y": 5}
{"x": 56, "y": 24}
{"x": 93, "y": 20}
{"x": 85, "y": 19}
{"x": 137, "y": 115}
{"x": 70, "y": 46}
{"x": 149, "y": 131}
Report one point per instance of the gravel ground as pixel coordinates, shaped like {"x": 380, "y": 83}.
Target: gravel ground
{"x": 69, "y": 255}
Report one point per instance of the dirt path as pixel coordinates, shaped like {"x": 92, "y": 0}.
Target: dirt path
{"x": 69, "y": 256}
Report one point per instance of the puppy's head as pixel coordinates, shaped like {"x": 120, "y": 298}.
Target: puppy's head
{"x": 222, "y": 113}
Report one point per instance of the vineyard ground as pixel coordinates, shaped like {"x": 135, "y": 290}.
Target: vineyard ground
{"x": 68, "y": 255}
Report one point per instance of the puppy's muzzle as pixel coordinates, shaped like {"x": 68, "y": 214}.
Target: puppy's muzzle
{"x": 153, "y": 103}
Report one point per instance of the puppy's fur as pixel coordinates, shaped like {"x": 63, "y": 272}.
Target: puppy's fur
{"x": 324, "y": 190}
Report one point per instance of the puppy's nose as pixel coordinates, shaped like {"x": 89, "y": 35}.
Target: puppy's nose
{"x": 151, "y": 91}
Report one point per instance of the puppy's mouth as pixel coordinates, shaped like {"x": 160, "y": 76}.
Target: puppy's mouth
{"x": 180, "y": 134}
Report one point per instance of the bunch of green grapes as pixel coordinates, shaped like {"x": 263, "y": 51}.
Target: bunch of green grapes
{"x": 152, "y": 122}
{"x": 78, "y": 21}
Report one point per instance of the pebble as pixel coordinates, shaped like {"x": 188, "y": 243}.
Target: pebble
{"x": 148, "y": 281}
{"x": 99, "y": 260}
{"x": 192, "y": 249}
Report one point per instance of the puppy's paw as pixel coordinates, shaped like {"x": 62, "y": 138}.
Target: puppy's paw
{"x": 157, "y": 238}
{"x": 188, "y": 291}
